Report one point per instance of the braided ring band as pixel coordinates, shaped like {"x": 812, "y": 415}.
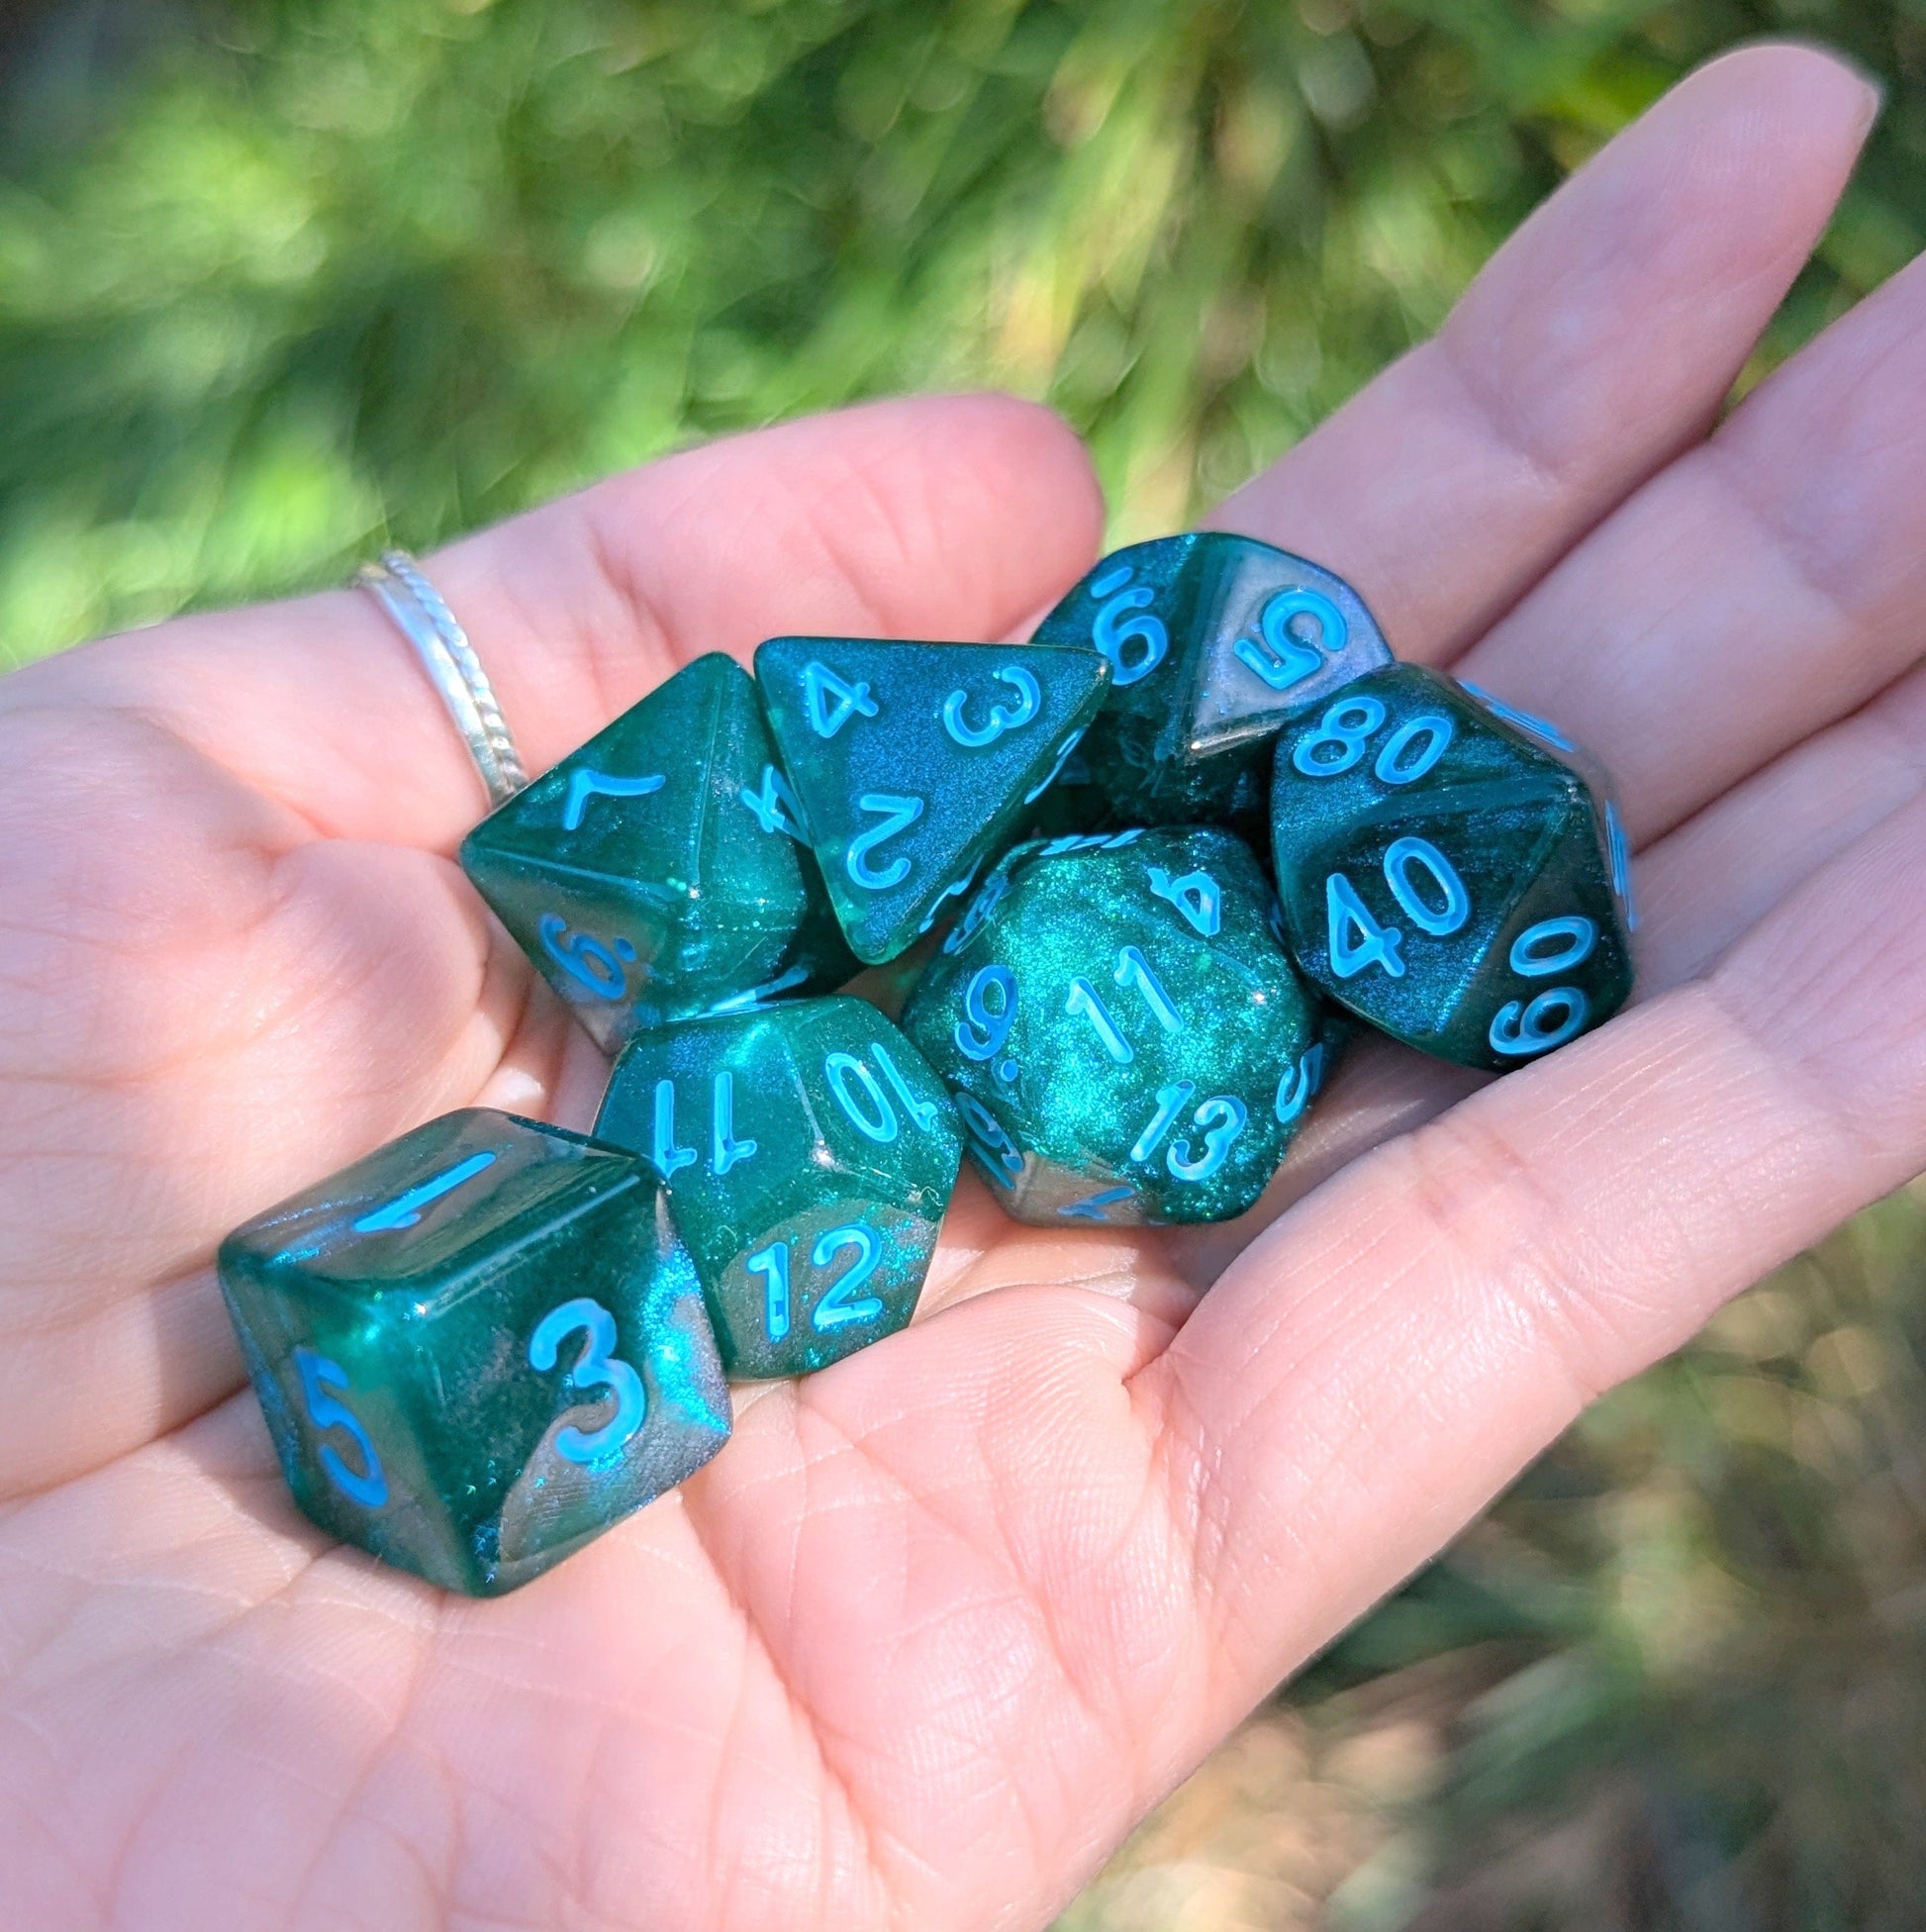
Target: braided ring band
{"x": 455, "y": 670}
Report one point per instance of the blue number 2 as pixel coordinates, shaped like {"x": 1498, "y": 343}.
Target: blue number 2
{"x": 368, "y": 1486}
{"x": 596, "y": 1368}
{"x": 837, "y": 1310}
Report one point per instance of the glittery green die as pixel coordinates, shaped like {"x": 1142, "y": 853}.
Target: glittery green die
{"x": 1446, "y": 871}
{"x": 1125, "y": 1038}
{"x": 478, "y": 1348}
{"x": 810, "y": 1154}
{"x": 661, "y": 871}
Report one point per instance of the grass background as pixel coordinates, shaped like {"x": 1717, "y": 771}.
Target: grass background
{"x": 278, "y": 281}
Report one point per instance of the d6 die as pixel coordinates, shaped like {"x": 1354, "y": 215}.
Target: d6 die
{"x": 1125, "y": 1038}
{"x": 1447, "y": 873}
{"x": 810, "y": 1154}
{"x": 478, "y": 1348}
{"x": 1214, "y": 641}
{"x": 661, "y": 870}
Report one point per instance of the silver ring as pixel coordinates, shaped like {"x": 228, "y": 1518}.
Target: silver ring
{"x": 455, "y": 670}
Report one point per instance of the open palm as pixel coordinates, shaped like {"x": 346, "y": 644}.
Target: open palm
{"x": 941, "y": 1622}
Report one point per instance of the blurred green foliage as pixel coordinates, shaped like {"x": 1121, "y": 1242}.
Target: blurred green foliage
{"x": 280, "y": 278}
{"x": 283, "y": 276}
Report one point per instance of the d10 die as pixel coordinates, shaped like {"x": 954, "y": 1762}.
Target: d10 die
{"x": 1447, "y": 874}
{"x": 1214, "y": 641}
{"x": 478, "y": 1348}
{"x": 661, "y": 870}
{"x": 915, "y": 762}
{"x": 1127, "y": 1039}
{"x": 810, "y": 1154}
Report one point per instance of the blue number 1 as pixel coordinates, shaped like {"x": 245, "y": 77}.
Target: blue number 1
{"x": 369, "y": 1485}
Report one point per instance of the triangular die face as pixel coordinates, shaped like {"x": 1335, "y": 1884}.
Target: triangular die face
{"x": 914, "y": 761}
{"x": 659, "y": 870}
{"x": 630, "y": 803}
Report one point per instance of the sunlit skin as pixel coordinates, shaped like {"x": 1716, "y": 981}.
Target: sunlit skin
{"x": 941, "y": 1622}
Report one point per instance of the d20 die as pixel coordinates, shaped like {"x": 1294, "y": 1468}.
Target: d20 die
{"x": 1214, "y": 641}
{"x": 478, "y": 1348}
{"x": 1125, "y": 1038}
{"x": 661, "y": 870}
{"x": 915, "y": 762}
{"x": 810, "y": 1154}
{"x": 1448, "y": 875}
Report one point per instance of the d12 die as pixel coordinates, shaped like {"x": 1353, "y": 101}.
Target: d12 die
{"x": 1214, "y": 641}
{"x": 478, "y": 1348}
{"x": 915, "y": 762}
{"x": 1448, "y": 875}
{"x": 1127, "y": 1039}
{"x": 661, "y": 870}
{"x": 810, "y": 1154}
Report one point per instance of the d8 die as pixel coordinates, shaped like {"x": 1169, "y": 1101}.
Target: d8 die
{"x": 1214, "y": 641}
{"x": 915, "y": 762}
{"x": 1447, "y": 873}
{"x": 661, "y": 870}
{"x": 1125, "y": 1038}
{"x": 478, "y": 1348}
{"x": 810, "y": 1154}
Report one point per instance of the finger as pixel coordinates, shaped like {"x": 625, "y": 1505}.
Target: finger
{"x": 1707, "y": 884}
{"x": 1392, "y": 1352}
{"x": 1598, "y": 341}
{"x": 940, "y": 517}
{"x": 1768, "y": 583}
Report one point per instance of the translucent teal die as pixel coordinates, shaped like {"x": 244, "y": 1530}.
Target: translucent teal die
{"x": 914, "y": 763}
{"x": 1126, "y": 1038}
{"x": 810, "y": 1154}
{"x": 1447, "y": 872}
{"x": 661, "y": 870}
{"x": 478, "y": 1348}
{"x": 1214, "y": 641}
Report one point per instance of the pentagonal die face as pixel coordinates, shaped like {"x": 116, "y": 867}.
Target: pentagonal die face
{"x": 1214, "y": 640}
{"x": 1446, "y": 875}
{"x": 478, "y": 1348}
{"x": 661, "y": 870}
{"x": 810, "y": 1154}
{"x": 1125, "y": 1038}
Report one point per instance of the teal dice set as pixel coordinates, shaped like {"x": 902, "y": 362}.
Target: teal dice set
{"x": 488, "y": 1341}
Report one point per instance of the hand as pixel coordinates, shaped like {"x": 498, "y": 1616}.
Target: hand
{"x": 943, "y": 1622}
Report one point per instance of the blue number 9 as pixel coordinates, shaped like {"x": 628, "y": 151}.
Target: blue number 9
{"x": 995, "y": 1020}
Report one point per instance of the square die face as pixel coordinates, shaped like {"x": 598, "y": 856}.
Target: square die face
{"x": 1410, "y": 827}
{"x": 1118, "y": 1019}
{"x": 809, "y": 1154}
{"x": 477, "y": 1349}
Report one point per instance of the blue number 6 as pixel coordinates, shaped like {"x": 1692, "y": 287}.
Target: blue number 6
{"x": 597, "y": 1369}
{"x": 318, "y": 1375}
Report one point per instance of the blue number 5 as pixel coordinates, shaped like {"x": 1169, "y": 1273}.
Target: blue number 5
{"x": 597, "y": 1369}
{"x": 367, "y": 1487}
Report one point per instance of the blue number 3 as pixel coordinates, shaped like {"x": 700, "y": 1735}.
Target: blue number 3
{"x": 598, "y": 1368}
{"x": 368, "y": 1486}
